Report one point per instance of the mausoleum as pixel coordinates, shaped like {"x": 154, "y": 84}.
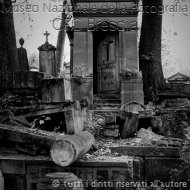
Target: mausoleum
{"x": 104, "y": 49}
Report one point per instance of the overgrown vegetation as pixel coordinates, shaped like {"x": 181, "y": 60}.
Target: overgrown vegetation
{"x": 182, "y": 173}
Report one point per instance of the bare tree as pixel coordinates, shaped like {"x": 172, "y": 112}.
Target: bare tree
{"x": 8, "y": 54}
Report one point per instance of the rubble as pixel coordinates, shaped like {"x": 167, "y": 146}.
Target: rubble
{"x": 33, "y": 125}
{"x": 144, "y": 138}
{"x": 34, "y": 120}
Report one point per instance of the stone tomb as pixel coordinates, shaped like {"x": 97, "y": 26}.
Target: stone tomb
{"x": 103, "y": 42}
{"x": 103, "y": 172}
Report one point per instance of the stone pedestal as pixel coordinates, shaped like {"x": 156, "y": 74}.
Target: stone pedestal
{"x": 53, "y": 91}
{"x": 47, "y": 61}
{"x": 82, "y": 87}
{"x": 132, "y": 90}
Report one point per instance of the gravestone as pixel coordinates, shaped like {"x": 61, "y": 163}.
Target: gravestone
{"x": 47, "y": 61}
{"x": 22, "y": 57}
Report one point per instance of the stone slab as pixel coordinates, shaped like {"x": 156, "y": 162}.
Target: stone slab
{"x": 147, "y": 151}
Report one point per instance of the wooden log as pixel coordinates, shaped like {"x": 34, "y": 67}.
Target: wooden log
{"x": 130, "y": 126}
{"x": 67, "y": 149}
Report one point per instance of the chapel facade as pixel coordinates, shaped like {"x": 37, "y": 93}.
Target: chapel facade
{"x": 103, "y": 41}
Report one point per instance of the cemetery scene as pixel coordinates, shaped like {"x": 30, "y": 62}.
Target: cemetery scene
{"x": 106, "y": 119}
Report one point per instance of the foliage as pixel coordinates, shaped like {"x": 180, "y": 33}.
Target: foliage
{"x": 182, "y": 173}
{"x": 127, "y": 74}
{"x": 81, "y": 70}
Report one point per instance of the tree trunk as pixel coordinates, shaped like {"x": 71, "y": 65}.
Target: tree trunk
{"x": 150, "y": 49}
{"x": 67, "y": 149}
{"x": 8, "y": 55}
{"x": 60, "y": 44}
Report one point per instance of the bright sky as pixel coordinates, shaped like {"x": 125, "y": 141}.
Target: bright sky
{"x": 176, "y": 30}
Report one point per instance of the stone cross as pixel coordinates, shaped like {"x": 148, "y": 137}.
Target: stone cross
{"x": 46, "y": 34}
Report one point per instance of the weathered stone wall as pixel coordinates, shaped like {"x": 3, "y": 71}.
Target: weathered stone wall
{"x": 26, "y": 174}
{"x": 102, "y": 169}
{"x": 80, "y": 59}
{"x": 130, "y": 51}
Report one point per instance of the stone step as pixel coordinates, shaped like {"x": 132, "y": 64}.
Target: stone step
{"x": 107, "y": 101}
{"x": 107, "y": 106}
{"x": 109, "y": 115}
{"x": 107, "y": 96}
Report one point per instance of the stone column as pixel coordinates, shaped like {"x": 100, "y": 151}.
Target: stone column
{"x": 47, "y": 61}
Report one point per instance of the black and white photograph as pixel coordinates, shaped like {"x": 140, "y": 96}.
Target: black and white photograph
{"x": 94, "y": 94}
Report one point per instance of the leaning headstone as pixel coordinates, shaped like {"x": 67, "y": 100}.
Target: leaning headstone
{"x": 22, "y": 57}
{"x": 47, "y": 61}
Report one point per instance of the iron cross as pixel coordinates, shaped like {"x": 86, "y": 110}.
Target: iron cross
{"x": 46, "y": 34}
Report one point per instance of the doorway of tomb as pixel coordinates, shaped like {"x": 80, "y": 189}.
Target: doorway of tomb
{"x": 106, "y": 68}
